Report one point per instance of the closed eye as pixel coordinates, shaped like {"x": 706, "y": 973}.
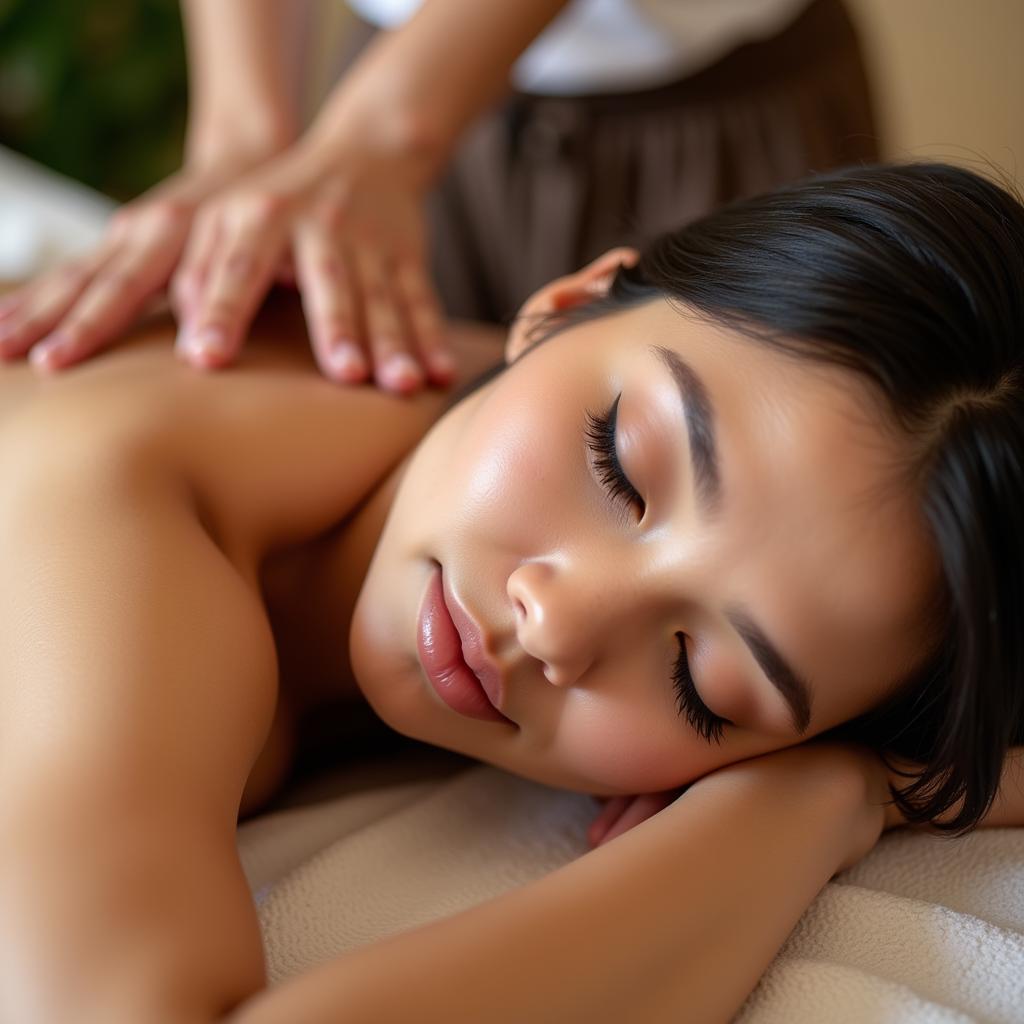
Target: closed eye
{"x": 697, "y": 713}
{"x": 601, "y": 441}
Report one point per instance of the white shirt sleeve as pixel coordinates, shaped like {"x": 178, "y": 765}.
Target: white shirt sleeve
{"x": 620, "y": 45}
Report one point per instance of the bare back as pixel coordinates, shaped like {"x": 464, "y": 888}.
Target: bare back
{"x": 159, "y": 532}
{"x": 278, "y": 458}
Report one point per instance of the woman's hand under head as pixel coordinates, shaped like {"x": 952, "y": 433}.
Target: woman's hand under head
{"x": 621, "y": 813}
{"x": 641, "y": 608}
{"x": 845, "y": 768}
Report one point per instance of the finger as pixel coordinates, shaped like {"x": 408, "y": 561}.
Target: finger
{"x": 42, "y": 304}
{"x": 394, "y": 368}
{"x": 187, "y": 282}
{"x": 423, "y": 314}
{"x": 105, "y": 308}
{"x": 100, "y": 295}
{"x": 9, "y": 303}
{"x": 238, "y": 279}
{"x": 640, "y": 809}
{"x": 327, "y": 300}
{"x": 607, "y": 817}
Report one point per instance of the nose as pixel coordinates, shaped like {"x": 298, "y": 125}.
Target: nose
{"x": 556, "y": 619}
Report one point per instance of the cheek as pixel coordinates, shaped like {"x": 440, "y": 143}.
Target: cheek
{"x": 628, "y": 748}
{"x": 493, "y": 465}
{"x": 519, "y": 457}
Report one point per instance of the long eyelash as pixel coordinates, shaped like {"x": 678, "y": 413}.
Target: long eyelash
{"x": 601, "y": 441}
{"x": 704, "y": 721}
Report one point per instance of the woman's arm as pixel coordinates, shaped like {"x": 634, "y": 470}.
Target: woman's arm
{"x": 137, "y": 683}
{"x": 620, "y": 814}
{"x": 676, "y": 919}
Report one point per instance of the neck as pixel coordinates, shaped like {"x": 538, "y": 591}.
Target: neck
{"x": 311, "y": 593}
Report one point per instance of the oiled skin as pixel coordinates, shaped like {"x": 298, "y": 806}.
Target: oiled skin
{"x": 156, "y": 532}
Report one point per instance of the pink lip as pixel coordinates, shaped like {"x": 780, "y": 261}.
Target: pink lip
{"x": 453, "y": 658}
{"x": 474, "y": 652}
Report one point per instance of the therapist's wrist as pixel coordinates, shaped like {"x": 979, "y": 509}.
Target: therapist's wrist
{"x": 214, "y": 139}
{"x": 400, "y": 138}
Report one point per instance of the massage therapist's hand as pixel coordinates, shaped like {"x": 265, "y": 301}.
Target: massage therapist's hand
{"x": 353, "y": 227}
{"x": 65, "y": 315}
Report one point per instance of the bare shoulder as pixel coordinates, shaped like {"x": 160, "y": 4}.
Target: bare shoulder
{"x": 274, "y": 452}
{"x": 266, "y": 454}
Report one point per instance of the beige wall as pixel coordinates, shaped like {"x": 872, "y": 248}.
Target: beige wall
{"x": 949, "y": 78}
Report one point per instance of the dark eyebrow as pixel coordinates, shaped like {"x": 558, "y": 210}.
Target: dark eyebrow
{"x": 795, "y": 689}
{"x": 700, "y": 427}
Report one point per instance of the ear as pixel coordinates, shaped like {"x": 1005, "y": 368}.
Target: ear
{"x": 591, "y": 282}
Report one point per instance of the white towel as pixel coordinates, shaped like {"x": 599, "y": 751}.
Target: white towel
{"x": 924, "y": 929}
{"x": 45, "y": 218}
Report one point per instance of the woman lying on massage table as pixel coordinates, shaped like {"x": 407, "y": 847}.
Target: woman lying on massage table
{"x": 739, "y": 515}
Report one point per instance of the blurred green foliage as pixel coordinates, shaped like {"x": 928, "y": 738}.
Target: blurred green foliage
{"x": 95, "y": 89}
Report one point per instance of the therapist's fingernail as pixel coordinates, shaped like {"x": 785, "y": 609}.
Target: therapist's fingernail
{"x": 347, "y": 361}
{"x": 442, "y": 366}
{"x": 209, "y": 342}
{"x": 400, "y": 372}
{"x": 44, "y": 353}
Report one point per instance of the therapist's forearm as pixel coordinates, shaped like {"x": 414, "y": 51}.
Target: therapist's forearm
{"x": 416, "y": 88}
{"x": 241, "y": 93}
{"x": 675, "y": 920}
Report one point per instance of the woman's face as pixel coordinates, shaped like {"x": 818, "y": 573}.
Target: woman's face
{"x": 785, "y": 552}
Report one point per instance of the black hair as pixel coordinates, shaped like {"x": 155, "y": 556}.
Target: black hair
{"x": 912, "y": 277}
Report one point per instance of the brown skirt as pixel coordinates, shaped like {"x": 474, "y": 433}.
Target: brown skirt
{"x": 541, "y": 185}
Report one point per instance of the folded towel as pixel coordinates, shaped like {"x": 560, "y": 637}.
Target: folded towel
{"x": 924, "y": 929}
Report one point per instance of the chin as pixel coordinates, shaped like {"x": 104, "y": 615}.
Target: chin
{"x": 383, "y": 676}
